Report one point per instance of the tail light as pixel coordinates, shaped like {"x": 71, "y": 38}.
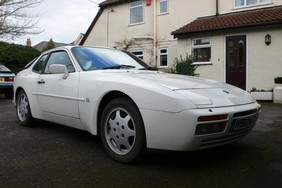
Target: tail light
{"x": 9, "y": 79}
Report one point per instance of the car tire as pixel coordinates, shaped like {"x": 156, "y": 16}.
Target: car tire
{"x": 24, "y": 115}
{"x": 122, "y": 131}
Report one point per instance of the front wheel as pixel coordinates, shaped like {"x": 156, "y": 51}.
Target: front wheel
{"x": 122, "y": 131}
{"x": 23, "y": 110}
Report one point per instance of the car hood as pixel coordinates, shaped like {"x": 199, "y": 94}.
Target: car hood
{"x": 202, "y": 92}
{"x": 174, "y": 81}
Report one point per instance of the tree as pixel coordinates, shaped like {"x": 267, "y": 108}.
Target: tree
{"x": 50, "y": 45}
{"x": 16, "y": 56}
{"x": 15, "y": 20}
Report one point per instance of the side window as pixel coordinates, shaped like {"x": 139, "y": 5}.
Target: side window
{"x": 39, "y": 64}
{"x": 60, "y": 57}
{"x": 163, "y": 57}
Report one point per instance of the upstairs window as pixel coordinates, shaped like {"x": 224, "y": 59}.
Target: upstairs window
{"x": 244, "y": 3}
{"x": 163, "y": 6}
{"x": 136, "y": 10}
{"x": 201, "y": 51}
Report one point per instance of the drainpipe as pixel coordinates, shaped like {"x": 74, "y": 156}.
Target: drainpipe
{"x": 216, "y": 8}
{"x": 109, "y": 11}
{"x": 155, "y": 34}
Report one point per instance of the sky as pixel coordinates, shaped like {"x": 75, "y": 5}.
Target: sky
{"x": 62, "y": 20}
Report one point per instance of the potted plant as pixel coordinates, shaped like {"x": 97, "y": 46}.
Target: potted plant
{"x": 261, "y": 94}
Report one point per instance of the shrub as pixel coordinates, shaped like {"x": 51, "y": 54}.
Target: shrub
{"x": 184, "y": 66}
{"x": 15, "y": 56}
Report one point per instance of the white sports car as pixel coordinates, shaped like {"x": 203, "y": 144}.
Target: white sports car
{"x": 132, "y": 107}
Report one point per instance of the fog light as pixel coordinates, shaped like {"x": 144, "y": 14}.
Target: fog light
{"x": 210, "y": 128}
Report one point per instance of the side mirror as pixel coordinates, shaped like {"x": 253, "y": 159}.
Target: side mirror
{"x": 59, "y": 69}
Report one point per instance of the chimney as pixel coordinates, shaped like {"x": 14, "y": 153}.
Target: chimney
{"x": 28, "y": 42}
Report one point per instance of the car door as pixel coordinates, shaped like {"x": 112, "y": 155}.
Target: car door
{"x": 58, "y": 96}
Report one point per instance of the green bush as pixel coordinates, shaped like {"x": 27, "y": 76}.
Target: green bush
{"x": 15, "y": 56}
{"x": 184, "y": 66}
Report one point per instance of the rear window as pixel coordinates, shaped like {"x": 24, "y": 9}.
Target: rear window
{"x": 4, "y": 69}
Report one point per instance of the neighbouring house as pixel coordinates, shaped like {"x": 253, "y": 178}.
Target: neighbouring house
{"x": 233, "y": 41}
{"x": 78, "y": 39}
{"x": 43, "y": 44}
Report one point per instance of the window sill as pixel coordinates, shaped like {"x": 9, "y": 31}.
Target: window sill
{"x": 202, "y": 63}
{"x": 135, "y": 24}
{"x": 162, "y": 14}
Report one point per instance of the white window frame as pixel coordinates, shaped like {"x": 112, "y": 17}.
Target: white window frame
{"x": 161, "y": 1}
{"x": 160, "y": 54}
{"x": 258, "y": 2}
{"x": 138, "y": 51}
{"x": 194, "y": 46}
{"x": 134, "y": 7}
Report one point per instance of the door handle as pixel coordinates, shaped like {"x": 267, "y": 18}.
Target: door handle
{"x": 41, "y": 82}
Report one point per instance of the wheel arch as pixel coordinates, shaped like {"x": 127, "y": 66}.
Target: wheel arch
{"x": 108, "y": 98}
{"x": 17, "y": 92}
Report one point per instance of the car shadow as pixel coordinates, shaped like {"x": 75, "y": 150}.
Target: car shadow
{"x": 225, "y": 155}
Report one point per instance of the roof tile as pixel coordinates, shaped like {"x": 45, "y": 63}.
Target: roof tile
{"x": 253, "y": 18}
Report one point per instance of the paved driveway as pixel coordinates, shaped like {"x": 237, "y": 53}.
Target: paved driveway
{"x": 50, "y": 155}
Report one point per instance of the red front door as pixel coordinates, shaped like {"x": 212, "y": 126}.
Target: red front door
{"x": 236, "y": 61}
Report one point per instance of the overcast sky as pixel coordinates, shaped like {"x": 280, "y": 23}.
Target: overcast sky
{"x": 62, "y": 20}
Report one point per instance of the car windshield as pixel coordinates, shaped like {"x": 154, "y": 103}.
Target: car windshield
{"x": 4, "y": 69}
{"x": 102, "y": 58}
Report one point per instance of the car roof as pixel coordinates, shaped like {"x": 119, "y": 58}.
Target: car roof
{"x": 69, "y": 47}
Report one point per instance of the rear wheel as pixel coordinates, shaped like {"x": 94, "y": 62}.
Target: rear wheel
{"x": 122, "y": 131}
{"x": 23, "y": 110}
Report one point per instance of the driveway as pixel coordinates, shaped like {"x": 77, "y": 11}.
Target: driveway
{"x": 50, "y": 155}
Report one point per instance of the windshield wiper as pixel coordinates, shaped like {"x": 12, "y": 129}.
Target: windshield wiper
{"x": 120, "y": 67}
{"x": 149, "y": 68}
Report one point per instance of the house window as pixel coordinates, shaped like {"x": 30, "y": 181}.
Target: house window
{"x": 243, "y": 3}
{"x": 163, "y": 6}
{"x": 201, "y": 51}
{"x": 138, "y": 53}
{"x": 163, "y": 57}
{"x": 136, "y": 12}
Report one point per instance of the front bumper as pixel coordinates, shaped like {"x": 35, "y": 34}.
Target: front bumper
{"x": 177, "y": 131}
